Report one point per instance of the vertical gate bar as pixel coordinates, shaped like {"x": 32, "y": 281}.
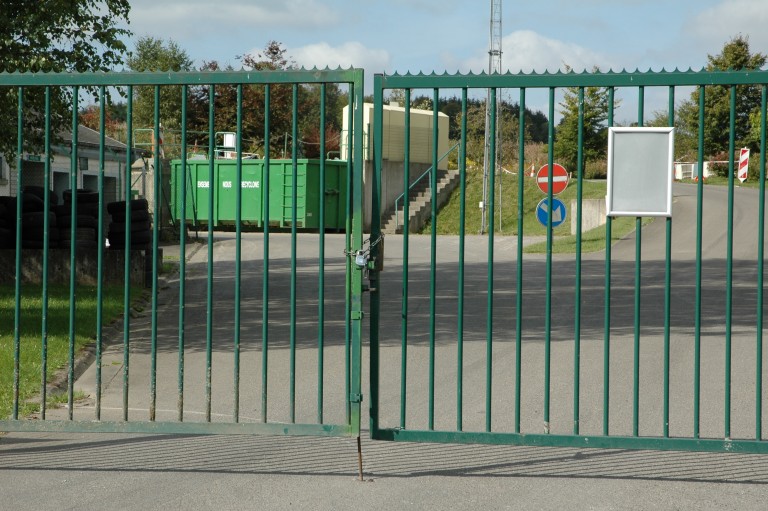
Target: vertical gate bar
{"x": 760, "y": 275}
{"x": 357, "y": 277}
{"x": 548, "y": 285}
{"x": 577, "y": 311}
{"x": 238, "y": 249}
{"x": 729, "y": 267}
{"x": 294, "y": 219}
{"x": 46, "y": 230}
{"x": 100, "y": 254}
{"x": 127, "y": 258}
{"x": 636, "y": 343}
{"x": 378, "y": 100}
{"x": 462, "y": 233}
{"x": 265, "y": 270}
{"x": 607, "y": 328}
{"x": 519, "y": 290}
{"x": 406, "y": 247}
{"x": 501, "y": 173}
{"x": 376, "y": 254}
{"x": 433, "y": 263}
{"x": 699, "y": 228}
{"x": 72, "y": 257}
{"x": 638, "y": 284}
{"x": 182, "y": 253}
{"x": 321, "y": 263}
{"x": 668, "y": 288}
{"x": 348, "y": 246}
{"x": 491, "y": 235}
{"x": 17, "y": 279}
{"x": 607, "y": 319}
{"x": 157, "y": 191}
{"x": 209, "y": 289}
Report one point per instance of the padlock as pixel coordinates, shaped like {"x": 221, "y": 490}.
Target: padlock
{"x": 361, "y": 259}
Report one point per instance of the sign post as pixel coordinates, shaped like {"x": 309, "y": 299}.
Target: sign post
{"x": 743, "y": 164}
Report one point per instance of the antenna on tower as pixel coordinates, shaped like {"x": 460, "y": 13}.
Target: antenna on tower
{"x": 494, "y": 67}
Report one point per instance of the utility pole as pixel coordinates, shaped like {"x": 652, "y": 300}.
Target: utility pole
{"x": 494, "y": 67}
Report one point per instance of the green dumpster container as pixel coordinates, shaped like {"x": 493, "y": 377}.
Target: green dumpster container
{"x": 309, "y": 192}
{"x": 224, "y": 189}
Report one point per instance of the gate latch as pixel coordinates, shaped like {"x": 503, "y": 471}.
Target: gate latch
{"x": 363, "y": 256}
{"x": 355, "y": 398}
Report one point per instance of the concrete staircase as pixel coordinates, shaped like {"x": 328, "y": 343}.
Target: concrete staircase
{"x": 420, "y": 203}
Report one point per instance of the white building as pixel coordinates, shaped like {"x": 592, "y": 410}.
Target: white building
{"x": 393, "y": 150}
{"x": 88, "y": 149}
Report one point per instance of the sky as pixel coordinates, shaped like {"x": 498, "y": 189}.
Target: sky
{"x": 453, "y": 35}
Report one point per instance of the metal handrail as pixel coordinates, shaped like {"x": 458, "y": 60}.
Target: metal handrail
{"x": 415, "y": 182}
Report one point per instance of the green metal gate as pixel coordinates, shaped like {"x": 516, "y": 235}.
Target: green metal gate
{"x": 643, "y": 345}
{"x": 258, "y": 333}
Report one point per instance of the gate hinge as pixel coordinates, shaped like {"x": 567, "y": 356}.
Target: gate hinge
{"x": 355, "y": 398}
{"x": 356, "y": 315}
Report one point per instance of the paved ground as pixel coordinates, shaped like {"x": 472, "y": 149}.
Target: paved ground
{"x": 57, "y": 471}
{"x": 149, "y": 472}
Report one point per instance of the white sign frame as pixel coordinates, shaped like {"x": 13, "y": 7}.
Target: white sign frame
{"x": 640, "y": 171}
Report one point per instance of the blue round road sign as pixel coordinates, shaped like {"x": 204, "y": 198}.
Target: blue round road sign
{"x": 558, "y": 212}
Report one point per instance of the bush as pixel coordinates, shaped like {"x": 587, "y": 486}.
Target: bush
{"x": 718, "y": 164}
{"x": 597, "y": 169}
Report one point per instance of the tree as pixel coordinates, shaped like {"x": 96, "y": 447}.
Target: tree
{"x": 686, "y": 142}
{"x": 736, "y": 56}
{"x": 155, "y": 54}
{"x": 273, "y": 58}
{"x": 114, "y": 119}
{"x": 60, "y": 37}
{"x": 309, "y": 118}
{"x": 595, "y": 128}
{"x": 508, "y": 124}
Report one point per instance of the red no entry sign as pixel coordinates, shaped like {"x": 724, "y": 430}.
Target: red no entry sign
{"x": 559, "y": 178}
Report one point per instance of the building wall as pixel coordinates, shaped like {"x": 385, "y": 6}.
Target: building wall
{"x": 392, "y": 185}
{"x": 393, "y": 136}
{"x": 33, "y": 174}
{"x": 393, "y": 151}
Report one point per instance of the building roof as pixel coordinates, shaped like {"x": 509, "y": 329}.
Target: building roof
{"x": 88, "y": 136}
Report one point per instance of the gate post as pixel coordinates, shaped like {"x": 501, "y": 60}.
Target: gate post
{"x": 376, "y": 251}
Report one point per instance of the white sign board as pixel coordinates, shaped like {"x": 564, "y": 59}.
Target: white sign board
{"x": 640, "y": 172}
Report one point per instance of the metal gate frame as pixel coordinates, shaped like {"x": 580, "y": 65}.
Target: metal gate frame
{"x": 550, "y": 82}
{"x": 354, "y": 241}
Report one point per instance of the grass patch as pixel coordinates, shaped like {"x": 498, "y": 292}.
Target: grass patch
{"x": 591, "y": 241}
{"x": 506, "y": 206}
{"x": 30, "y": 374}
{"x": 56, "y": 400}
{"x": 169, "y": 267}
{"x": 723, "y": 181}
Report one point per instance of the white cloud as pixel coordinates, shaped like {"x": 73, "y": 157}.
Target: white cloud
{"x": 716, "y": 25}
{"x": 348, "y": 54}
{"x": 527, "y": 51}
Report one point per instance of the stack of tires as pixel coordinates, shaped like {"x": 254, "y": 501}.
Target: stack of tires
{"x": 141, "y": 225}
{"x": 33, "y": 218}
{"x": 85, "y": 224}
{"x": 7, "y": 222}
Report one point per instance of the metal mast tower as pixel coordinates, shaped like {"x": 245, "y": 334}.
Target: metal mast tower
{"x": 494, "y": 66}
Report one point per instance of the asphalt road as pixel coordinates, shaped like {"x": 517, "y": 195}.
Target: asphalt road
{"x": 58, "y": 471}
